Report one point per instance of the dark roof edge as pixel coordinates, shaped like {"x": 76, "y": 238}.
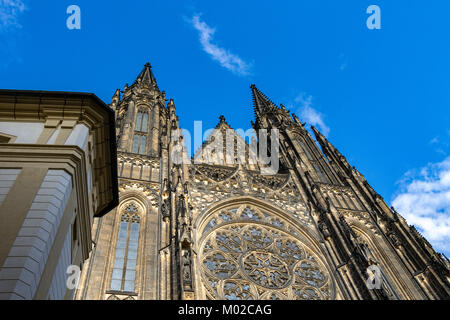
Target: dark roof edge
{"x": 56, "y": 94}
{"x": 113, "y": 164}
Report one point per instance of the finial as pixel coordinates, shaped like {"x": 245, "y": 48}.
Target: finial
{"x": 148, "y": 65}
{"x": 222, "y": 118}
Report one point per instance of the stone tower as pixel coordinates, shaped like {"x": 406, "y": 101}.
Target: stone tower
{"x": 226, "y": 225}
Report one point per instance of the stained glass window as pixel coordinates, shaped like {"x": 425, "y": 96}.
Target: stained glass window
{"x": 250, "y": 254}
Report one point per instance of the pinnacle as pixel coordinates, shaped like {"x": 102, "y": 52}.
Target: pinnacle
{"x": 146, "y": 76}
{"x": 222, "y": 123}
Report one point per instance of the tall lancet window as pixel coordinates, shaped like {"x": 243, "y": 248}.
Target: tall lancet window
{"x": 140, "y": 133}
{"x": 305, "y": 150}
{"x": 314, "y": 163}
{"x": 384, "y": 283}
{"x": 124, "y": 269}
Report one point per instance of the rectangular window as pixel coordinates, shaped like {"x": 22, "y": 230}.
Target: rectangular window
{"x": 140, "y": 137}
{"x": 135, "y": 144}
{"x": 142, "y": 145}
{"x": 144, "y": 122}
{"x": 138, "y": 122}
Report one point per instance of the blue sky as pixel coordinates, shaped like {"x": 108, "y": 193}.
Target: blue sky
{"x": 381, "y": 96}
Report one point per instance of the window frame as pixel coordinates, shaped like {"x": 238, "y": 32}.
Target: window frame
{"x": 141, "y": 129}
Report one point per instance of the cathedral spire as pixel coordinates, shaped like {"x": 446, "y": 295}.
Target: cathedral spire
{"x": 262, "y": 103}
{"x": 146, "y": 76}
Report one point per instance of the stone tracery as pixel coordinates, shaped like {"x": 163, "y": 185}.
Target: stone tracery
{"x": 250, "y": 254}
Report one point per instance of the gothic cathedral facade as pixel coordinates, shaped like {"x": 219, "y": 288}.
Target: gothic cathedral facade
{"x": 209, "y": 229}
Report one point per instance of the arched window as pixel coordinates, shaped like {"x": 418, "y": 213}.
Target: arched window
{"x": 368, "y": 254}
{"x": 140, "y": 133}
{"x": 124, "y": 268}
{"x": 305, "y": 150}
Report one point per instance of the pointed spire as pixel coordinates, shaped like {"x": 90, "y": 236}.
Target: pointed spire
{"x": 319, "y": 136}
{"x": 171, "y": 108}
{"x": 146, "y": 76}
{"x": 262, "y": 103}
{"x": 116, "y": 94}
{"x": 324, "y": 143}
{"x": 330, "y": 151}
{"x": 115, "y": 99}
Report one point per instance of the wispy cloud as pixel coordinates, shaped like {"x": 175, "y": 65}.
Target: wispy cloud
{"x": 10, "y": 11}
{"x": 307, "y": 113}
{"x": 226, "y": 59}
{"x": 424, "y": 201}
{"x": 441, "y": 144}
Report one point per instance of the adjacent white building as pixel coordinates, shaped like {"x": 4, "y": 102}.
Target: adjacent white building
{"x": 57, "y": 172}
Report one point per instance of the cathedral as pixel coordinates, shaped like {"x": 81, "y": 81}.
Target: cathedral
{"x": 220, "y": 226}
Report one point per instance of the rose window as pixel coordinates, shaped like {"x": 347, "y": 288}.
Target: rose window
{"x": 267, "y": 269}
{"x": 247, "y": 254}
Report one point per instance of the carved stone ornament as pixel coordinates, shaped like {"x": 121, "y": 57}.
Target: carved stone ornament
{"x": 256, "y": 260}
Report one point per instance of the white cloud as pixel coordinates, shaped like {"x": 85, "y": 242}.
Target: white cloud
{"x": 9, "y": 13}
{"x": 226, "y": 59}
{"x": 424, "y": 201}
{"x": 441, "y": 143}
{"x": 307, "y": 113}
